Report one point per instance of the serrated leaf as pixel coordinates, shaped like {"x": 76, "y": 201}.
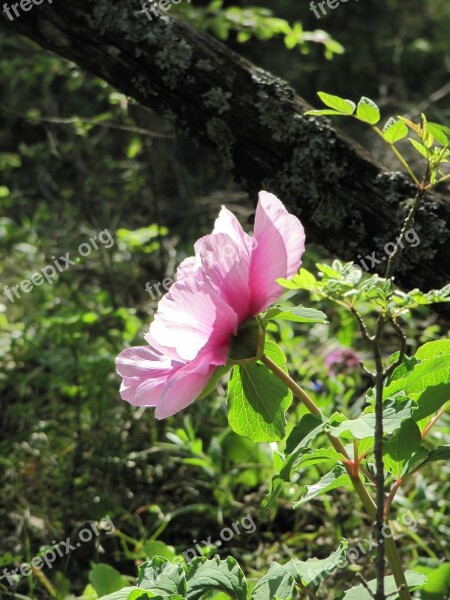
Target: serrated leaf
{"x": 312, "y": 572}
{"x": 205, "y": 575}
{"x": 428, "y": 383}
{"x": 160, "y": 576}
{"x": 257, "y": 402}
{"x": 277, "y": 582}
{"x": 399, "y": 450}
{"x": 342, "y": 105}
{"x": 394, "y": 414}
{"x": 368, "y": 111}
{"x": 360, "y": 592}
{"x": 394, "y": 131}
{"x": 337, "y": 477}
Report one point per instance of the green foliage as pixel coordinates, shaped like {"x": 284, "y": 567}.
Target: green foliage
{"x": 360, "y": 592}
{"x": 105, "y": 579}
{"x": 298, "y": 314}
{"x": 160, "y": 578}
{"x": 256, "y": 22}
{"x": 258, "y": 400}
{"x": 434, "y": 145}
{"x": 335, "y": 478}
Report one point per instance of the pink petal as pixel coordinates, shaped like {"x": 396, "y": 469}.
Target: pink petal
{"x": 190, "y": 267}
{"x": 227, "y": 265}
{"x": 191, "y": 317}
{"x": 227, "y": 223}
{"x": 280, "y": 241}
{"x": 184, "y": 387}
{"x": 144, "y": 372}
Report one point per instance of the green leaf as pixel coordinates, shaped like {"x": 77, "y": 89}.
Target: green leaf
{"x": 298, "y": 314}
{"x": 312, "y": 572}
{"x": 324, "y": 112}
{"x": 394, "y": 131}
{"x": 122, "y": 594}
{"x": 440, "y": 133}
{"x": 105, "y": 579}
{"x": 205, "y": 575}
{"x": 160, "y": 576}
{"x": 368, "y": 111}
{"x": 438, "y": 583}
{"x": 304, "y": 280}
{"x": 306, "y": 430}
{"x": 440, "y": 453}
{"x": 400, "y": 449}
{"x": 419, "y": 147}
{"x": 277, "y": 582}
{"x": 428, "y": 383}
{"x": 343, "y": 106}
{"x": 141, "y": 595}
{"x": 337, "y": 477}
{"x": 257, "y": 402}
{"x": 394, "y": 414}
{"x": 433, "y": 350}
{"x": 274, "y": 352}
{"x": 431, "y": 400}
{"x": 360, "y": 592}
{"x": 153, "y": 548}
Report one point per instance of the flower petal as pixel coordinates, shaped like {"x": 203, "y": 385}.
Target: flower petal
{"x": 280, "y": 241}
{"x": 227, "y": 265}
{"x": 191, "y": 317}
{"x": 145, "y": 373}
{"x": 227, "y": 223}
{"x": 185, "y": 386}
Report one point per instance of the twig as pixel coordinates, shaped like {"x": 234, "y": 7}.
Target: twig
{"x": 73, "y": 121}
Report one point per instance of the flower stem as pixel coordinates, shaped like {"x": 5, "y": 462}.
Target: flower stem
{"x": 360, "y": 488}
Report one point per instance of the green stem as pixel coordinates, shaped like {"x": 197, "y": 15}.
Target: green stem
{"x": 360, "y": 488}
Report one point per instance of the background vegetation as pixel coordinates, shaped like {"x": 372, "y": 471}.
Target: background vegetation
{"x": 77, "y": 157}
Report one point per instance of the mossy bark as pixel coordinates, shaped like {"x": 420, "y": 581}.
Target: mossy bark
{"x": 255, "y": 124}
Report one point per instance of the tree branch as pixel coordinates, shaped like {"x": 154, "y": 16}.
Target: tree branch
{"x": 253, "y": 122}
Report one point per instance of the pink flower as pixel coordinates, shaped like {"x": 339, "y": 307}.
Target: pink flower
{"x": 231, "y": 278}
{"x": 341, "y": 359}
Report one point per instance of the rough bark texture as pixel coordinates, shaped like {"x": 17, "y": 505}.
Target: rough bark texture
{"x": 254, "y": 122}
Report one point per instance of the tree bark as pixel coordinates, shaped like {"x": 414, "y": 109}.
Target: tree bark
{"x": 254, "y": 122}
